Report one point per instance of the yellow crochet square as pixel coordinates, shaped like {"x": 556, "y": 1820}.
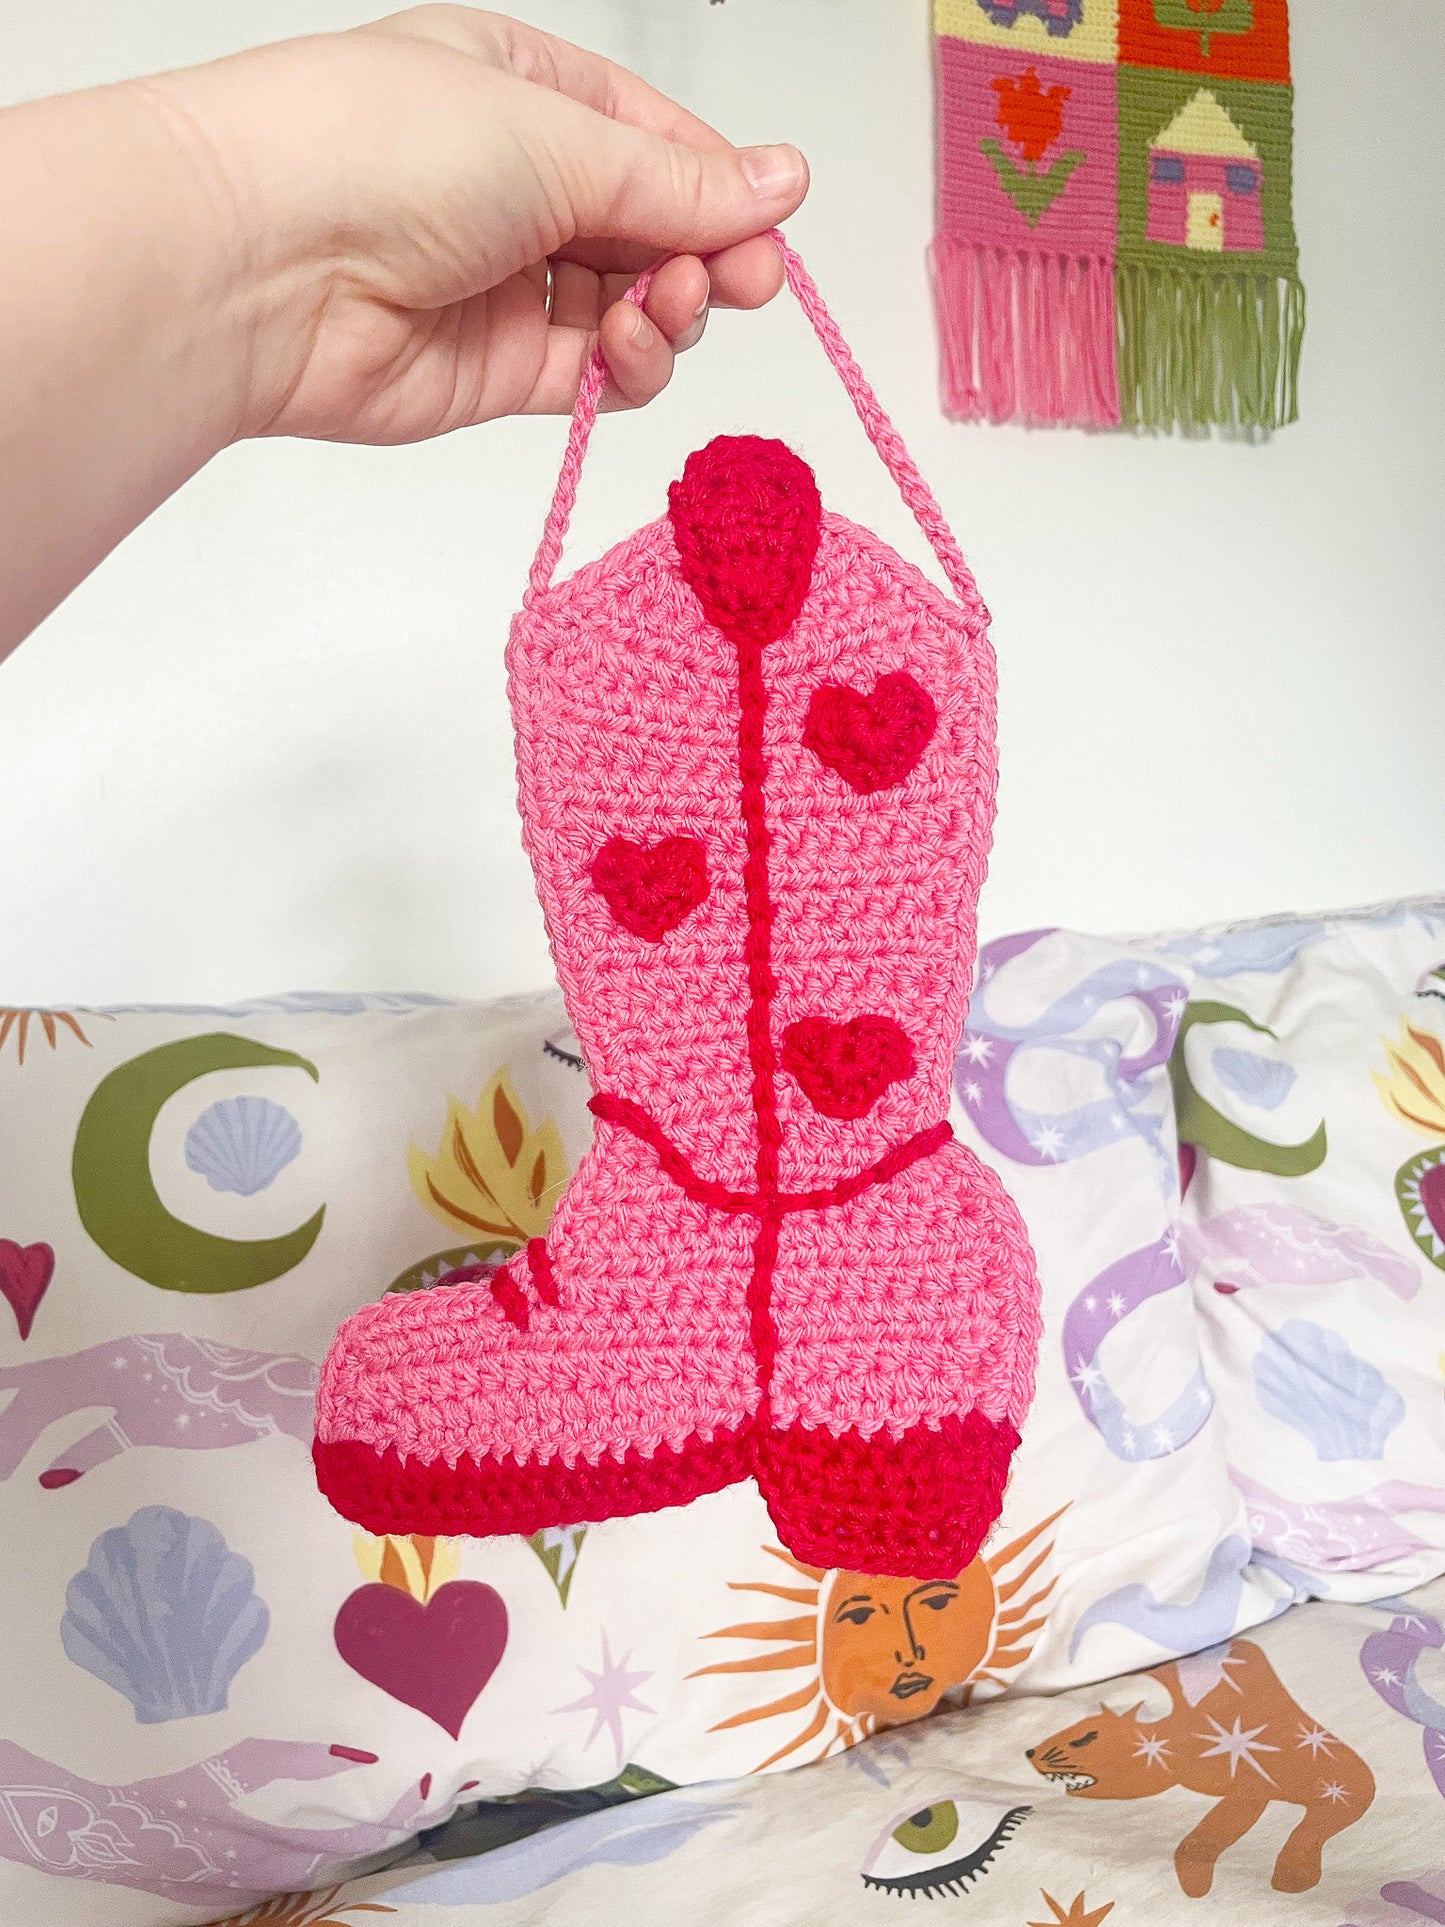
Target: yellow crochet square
{"x": 1085, "y": 29}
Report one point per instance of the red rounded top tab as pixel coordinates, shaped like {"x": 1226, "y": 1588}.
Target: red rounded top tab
{"x": 745, "y": 516}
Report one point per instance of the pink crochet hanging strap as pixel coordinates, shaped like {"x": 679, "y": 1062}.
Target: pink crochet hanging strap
{"x": 756, "y": 766}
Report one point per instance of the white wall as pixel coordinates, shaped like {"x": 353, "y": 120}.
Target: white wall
{"x": 266, "y": 746}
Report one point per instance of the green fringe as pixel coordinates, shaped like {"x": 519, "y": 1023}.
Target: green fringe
{"x": 1199, "y": 350}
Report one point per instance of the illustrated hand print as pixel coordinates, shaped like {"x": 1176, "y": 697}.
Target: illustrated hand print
{"x": 180, "y": 1835}
{"x": 160, "y": 1389}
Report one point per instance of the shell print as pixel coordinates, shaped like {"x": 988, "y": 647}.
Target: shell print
{"x": 243, "y": 1144}
{"x": 1309, "y": 1377}
{"x": 165, "y": 1613}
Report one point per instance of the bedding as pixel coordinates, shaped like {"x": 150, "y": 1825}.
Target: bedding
{"x": 1310, "y": 1088}
{"x": 215, "y": 1690}
{"x": 1291, "y": 1778}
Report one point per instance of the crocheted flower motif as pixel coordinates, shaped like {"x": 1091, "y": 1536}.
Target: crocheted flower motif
{"x": 1030, "y": 114}
{"x": 746, "y": 526}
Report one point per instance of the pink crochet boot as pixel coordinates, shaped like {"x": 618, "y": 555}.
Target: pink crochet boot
{"x": 756, "y": 754}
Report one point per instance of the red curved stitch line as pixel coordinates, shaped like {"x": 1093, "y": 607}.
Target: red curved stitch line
{"x": 921, "y": 1145}
{"x": 630, "y": 1116}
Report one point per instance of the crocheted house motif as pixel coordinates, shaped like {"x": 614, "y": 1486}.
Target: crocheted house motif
{"x": 757, "y": 771}
{"x": 1205, "y": 182}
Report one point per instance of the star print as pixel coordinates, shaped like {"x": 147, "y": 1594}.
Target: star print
{"x": 1154, "y": 1751}
{"x": 610, "y": 1698}
{"x": 1203, "y": 1397}
{"x": 1316, "y": 1739}
{"x": 1236, "y": 1745}
{"x": 1141, "y": 976}
{"x": 1128, "y": 1439}
{"x": 1333, "y": 1792}
{"x": 1087, "y": 1376}
{"x": 1078, "y": 1914}
{"x": 1408, "y": 1623}
{"x": 987, "y": 971}
{"x": 1174, "y": 1007}
{"x": 118, "y": 1365}
{"x": 1090, "y": 1303}
{"x": 183, "y": 1419}
{"x": 978, "y": 1050}
{"x": 1163, "y": 1438}
{"x": 1382, "y": 1676}
{"x": 1116, "y": 1304}
{"x": 1049, "y": 1141}
{"x": 1171, "y": 1246}
{"x": 973, "y": 1092}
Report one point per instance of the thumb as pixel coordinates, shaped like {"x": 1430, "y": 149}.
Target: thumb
{"x": 633, "y": 186}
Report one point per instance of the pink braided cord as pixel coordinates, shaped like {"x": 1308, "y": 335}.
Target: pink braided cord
{"x": 876, "y": 425}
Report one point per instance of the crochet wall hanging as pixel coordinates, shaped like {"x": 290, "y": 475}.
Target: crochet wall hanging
{"x": 1115, "y": 240}
{"x": 757, "y": 772}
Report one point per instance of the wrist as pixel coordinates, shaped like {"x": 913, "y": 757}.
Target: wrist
{"x": 252, "y": 274}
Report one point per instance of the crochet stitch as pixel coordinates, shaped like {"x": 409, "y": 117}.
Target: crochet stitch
{"x": 757, "y": 771}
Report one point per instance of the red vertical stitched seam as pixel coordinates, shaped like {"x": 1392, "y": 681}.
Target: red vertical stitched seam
{"x": 762, "y": 1058}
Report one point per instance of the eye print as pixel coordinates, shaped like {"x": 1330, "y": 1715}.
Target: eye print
{"x": 563, "y": 1045}
{"x": 940, "y": 1849}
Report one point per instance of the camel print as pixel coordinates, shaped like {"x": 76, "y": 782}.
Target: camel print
{"x": 1232, "y": 1732}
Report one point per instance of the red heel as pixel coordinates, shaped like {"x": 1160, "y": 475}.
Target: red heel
{"x": 916, "y": 1507}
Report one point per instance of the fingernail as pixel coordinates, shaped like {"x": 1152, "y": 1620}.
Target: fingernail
{"x": 692, "y": 334}
{"x": 772, "y": 172}
{"x": 641, "y": 334}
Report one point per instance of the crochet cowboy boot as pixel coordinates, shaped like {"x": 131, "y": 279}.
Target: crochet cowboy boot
{"x": 757, "y": 773}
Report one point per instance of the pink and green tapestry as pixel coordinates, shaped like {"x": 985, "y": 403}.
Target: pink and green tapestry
{"x": 1116, "y": 244}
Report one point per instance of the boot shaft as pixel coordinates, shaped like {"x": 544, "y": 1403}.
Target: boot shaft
{"x": 757, "y": 771}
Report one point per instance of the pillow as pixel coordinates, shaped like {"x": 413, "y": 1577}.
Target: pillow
{"x": 219, "y": 1689}
{"x": 1310, "y": 1081}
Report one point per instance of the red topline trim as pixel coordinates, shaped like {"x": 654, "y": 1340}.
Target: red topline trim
{"x": 383, "y": 1492}
{"x": 632, "y": 1117}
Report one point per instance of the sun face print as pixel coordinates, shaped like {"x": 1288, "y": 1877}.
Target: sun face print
{"x": 881, "y": 1652}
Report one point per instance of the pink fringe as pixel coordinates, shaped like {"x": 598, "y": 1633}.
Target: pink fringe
{"x": 1026, "y": 337}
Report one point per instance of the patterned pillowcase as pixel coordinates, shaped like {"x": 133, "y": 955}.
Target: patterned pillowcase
{"x": 220, "y": 1689}
{"x": 1310, "y": 1084}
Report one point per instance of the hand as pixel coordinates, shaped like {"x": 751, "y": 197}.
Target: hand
{"x": 396, "y": 193}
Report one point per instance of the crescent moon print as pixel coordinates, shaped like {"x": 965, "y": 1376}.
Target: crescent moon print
{"x": 1201, "y": 1124}
{"x": 117, "y": 1199}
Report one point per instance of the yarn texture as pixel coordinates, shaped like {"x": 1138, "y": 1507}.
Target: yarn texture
{"x": 757, "y": 771}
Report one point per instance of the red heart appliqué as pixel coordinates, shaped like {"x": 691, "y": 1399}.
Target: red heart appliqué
{"x": 845, "y": 1068}
{"x": 871, "y": 741}
{"x": 436, "y": 1657}
{"x": 25, "y": 1274}
{"x": 651, "y": 891}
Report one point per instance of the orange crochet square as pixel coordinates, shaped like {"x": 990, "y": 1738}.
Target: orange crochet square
{"x": 1234, "y": 39}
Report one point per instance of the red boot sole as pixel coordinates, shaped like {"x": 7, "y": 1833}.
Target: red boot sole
{"x": 382, "y": 1492}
